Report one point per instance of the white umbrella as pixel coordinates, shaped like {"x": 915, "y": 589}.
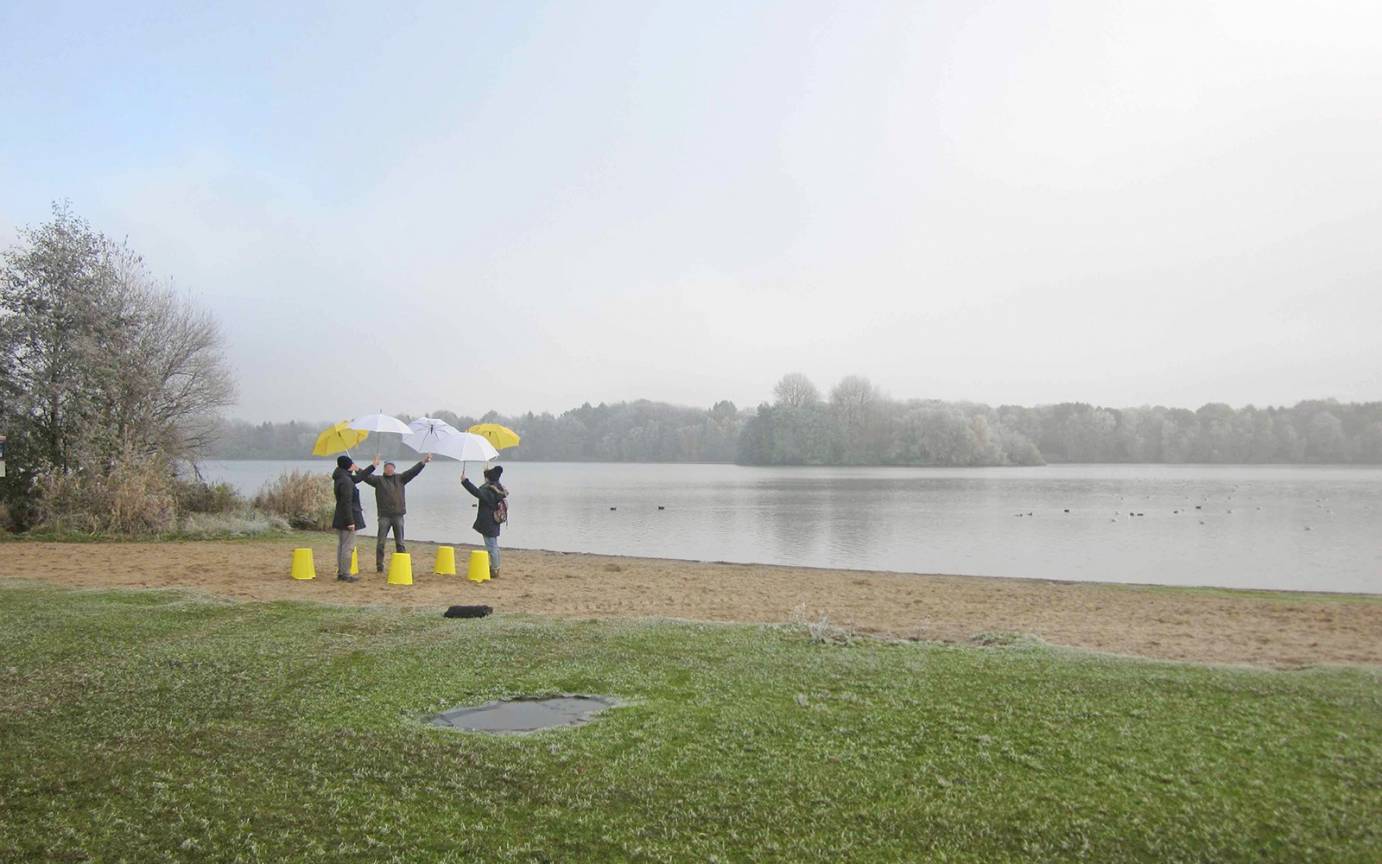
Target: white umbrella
{"x": 426, "y": 434}
{"x": 380, "y": 423}
{"x": 465, "y": 447}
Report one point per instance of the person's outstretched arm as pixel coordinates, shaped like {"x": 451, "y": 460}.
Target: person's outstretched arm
{"x": 415, "y": 470}
{"x": 362, "y": 475}
{"x": 484, "y": 493}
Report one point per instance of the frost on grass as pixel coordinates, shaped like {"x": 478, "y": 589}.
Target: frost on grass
{"x": 820, "y": 631}
{"x": 1006, "y": 639}
{"x": 273, "y": 732}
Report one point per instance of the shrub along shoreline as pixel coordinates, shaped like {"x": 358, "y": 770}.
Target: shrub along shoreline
{"x": 146, "y": 500}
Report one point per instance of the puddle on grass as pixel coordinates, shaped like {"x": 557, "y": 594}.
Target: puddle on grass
{"x": 524, "y": 715}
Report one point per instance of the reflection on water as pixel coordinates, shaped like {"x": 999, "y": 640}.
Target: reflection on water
{"x": 1306, "y": 528}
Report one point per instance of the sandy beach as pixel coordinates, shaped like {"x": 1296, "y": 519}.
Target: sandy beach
{"x": 1260, "y": 628}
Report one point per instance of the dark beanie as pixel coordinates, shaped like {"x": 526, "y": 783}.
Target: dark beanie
{"x": 493, "y": 472}
{"x": 344, "y": 461}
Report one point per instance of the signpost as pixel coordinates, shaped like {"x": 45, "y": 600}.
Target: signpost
{"x": 2, "y": 455}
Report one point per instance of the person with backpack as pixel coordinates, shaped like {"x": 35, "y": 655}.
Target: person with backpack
{"x": 493, "y": 511}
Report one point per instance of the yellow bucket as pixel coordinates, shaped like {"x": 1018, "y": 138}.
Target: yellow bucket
{"x": 354, "y": 561}
{"x": 479, "y": 566}
{"x": 446, "y": 561}
{"x": 401, "y": 569}
{"x": 303, "y": 566}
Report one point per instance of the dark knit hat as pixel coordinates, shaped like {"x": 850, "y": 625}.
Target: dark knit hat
{"x": 492, "y": 473}
{"x": 344, "y": 461}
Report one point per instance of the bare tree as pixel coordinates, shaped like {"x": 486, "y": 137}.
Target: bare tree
{"x": 795, "y": 390}
{"x": 172, "y": 379}
{"x": 853, "y": 397}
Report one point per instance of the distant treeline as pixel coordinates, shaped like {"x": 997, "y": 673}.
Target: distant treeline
{"x": 639, "y": 431}
{"x": 857, "y": 425}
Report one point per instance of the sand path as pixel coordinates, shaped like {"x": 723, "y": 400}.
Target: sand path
{"x": 1261, "y": 628}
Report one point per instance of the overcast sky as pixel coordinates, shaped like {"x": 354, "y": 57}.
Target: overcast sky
{"x": 526, "y": 206}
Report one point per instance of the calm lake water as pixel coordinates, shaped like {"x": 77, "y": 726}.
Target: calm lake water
{"x": 1291, "y": 527}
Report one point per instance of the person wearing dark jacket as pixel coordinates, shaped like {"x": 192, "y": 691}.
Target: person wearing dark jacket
{"x": 391, "y": 504}
{"x": 343, "y": 520}
{"x": 491, "y": 497}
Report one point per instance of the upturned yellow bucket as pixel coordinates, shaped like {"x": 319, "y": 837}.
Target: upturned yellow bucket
{"x": 446, "y": 561}
{"x": 479, "y": 566}
{"x": 401, "y": 569}
{"x": 303, "y": 566}
{"x": 354, "y": 562}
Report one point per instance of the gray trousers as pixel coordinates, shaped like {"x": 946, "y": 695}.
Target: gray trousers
{"x": 492, "y": 546}
{"x": 345, "y": 544}
{"x": 385, "y": 523}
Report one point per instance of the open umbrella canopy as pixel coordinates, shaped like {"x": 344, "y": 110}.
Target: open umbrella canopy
{"x": 338, "y": 439}
{"x": 427, "y": 433}
{"x": 380, "y": 423}
{"x": 465, "y": 447}
{"x": 501, "y": 437}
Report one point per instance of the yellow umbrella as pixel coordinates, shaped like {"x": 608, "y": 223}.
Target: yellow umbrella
{"x": 500, "y": 436}
{"x": 338, "y": 439}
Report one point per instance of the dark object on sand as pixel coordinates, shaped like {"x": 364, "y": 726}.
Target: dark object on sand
{"x": 468, "y": 611}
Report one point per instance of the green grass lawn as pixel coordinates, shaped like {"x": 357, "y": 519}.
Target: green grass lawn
{"x": 161, "y": 726}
